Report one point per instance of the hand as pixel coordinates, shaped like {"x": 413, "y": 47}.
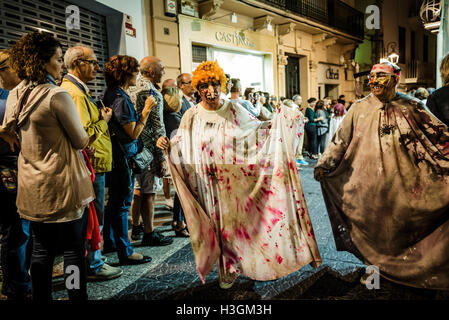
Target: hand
{"x": 163, "y": 143}
{"x": 106, "y": 113}
{"x": 10, "y": 138}
{"x": 90, "y": 151}
{"x": 149, "y": 104}
{"x": 319, "y": 173}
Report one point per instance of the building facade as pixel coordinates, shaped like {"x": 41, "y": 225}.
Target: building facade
{"x": 284, "y": 47}
{"x": 401, "y": 37}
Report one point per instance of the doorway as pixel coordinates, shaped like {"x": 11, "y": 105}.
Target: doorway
{"x": 292, "y": 77}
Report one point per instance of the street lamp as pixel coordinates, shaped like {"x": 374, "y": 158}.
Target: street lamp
{"x": 393, "y": 57}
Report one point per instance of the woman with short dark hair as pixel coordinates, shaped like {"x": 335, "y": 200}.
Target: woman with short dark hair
{"x": 322, "y": 126}
{"x": 120, "y": 72}
{"x": 54, "y": 185}
{"x": 311, "y": 130}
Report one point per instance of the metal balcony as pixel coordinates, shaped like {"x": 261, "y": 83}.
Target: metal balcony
{"x": 332, "y": 13}
{"x": 418, "y": 72}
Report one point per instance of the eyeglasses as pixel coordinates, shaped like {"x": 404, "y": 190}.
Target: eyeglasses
{"x": 182, "y": 82}
{"x": 92, "y": 62}
{"x": 205, "y": 86}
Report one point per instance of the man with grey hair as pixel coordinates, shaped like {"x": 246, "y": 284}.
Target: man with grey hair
{"x": 153, "y": 137}
{"x": 297, "y": 100}
{"x": 236, "y": 92}
{"x": 82, "y": 66}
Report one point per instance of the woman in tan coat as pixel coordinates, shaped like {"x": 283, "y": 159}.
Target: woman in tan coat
{"x": 54, "y": 185}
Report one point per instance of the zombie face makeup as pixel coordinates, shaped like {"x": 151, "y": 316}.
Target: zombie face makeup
{"x": 210, "y": 92}
{"x": 382, "y": 81}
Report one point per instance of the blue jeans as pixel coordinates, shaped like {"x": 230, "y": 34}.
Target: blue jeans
{"x": 94, "y": 257}
{"x": 115, "y": 232}
{"x": 14, "y": 258}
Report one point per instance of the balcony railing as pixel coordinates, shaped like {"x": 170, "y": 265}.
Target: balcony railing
{"x": 418, "y": 72}
{"x": 332, "y": 13}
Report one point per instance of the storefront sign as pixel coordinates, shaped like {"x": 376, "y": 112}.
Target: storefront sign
{"x": 332, "y": 73}
{"x": 130, "y": 31}
{"x": 236, "y": 38}
{"x": 188, "y": 7}
{"x": 328, "y": 73}
{"x": 170, "y": 8}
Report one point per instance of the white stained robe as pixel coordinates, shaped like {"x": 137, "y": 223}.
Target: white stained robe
{"x": 240, "y": 190}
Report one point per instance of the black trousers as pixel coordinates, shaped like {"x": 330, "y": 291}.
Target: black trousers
{"x": 178, "y": 213}
{"x": 51, "y": 239}
{"x": 312, "y": 139}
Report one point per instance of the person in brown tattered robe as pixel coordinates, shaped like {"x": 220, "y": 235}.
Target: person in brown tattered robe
{"x": 385, "y": 180}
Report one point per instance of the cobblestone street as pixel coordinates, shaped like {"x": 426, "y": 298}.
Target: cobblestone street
{"x": 172, "y": 273}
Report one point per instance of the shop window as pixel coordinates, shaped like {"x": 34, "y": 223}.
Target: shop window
{"x": 199, "y": 54}
{"x": 249, "y": 68}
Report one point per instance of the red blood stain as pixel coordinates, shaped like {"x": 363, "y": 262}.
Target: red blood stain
{"x": 274, "y": 221}
{"x": 267, "y": 260}
{"x": 211, "y": 153}
{"x": 244, "y": 172}
{"x": 278, "y": 258}
{"x": 280, "y": 139}
{"x": 251, "y": 166}
{"x": 241, "y": 233}
{"x": 276, "y": 212}
{"x": 279, "y": 173}
{"x": 225, "y": 234}
{"x": 291, "y": 166}
{"x": 203, "y": 146}
{"x": 212, "y": 238}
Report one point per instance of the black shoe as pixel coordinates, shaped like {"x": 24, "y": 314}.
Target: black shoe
{"x": 128, "y": 261}
{"x": 137, "y": 232}
{"x": 155, "y": 239}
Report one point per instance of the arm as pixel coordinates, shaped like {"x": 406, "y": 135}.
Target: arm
{"x": 134, "y": 129}
{"x": 94, "y": 129}
{"x": 250, "y": 107}
{"x": 65, "y": 110}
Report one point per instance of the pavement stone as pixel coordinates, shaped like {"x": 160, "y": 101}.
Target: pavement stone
{"x": 172, "y": 273}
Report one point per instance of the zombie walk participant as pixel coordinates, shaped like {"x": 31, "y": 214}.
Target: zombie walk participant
{"x": 239, "y": 187}
{"x": 385, "y": 180}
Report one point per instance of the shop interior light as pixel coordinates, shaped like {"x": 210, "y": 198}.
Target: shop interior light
{"x": 269, "y": 26}
{"x": 234, "y": 18}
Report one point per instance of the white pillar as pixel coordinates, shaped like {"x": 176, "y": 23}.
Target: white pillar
{"x": 442, "y": 39}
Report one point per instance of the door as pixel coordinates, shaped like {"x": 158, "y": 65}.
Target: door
{"x": 20, "y": 17}
{"x": 292, "y": 77}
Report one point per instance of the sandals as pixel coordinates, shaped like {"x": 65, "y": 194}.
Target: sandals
{"x": 180, "y": 229}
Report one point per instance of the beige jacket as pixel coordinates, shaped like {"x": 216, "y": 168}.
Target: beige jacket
{"x": 53, "y": 181}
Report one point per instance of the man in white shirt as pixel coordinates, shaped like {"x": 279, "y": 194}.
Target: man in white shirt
{"x": 236, "y": 92}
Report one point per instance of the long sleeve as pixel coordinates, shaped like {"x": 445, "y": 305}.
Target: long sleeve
{"x": 93, "y": 125}
{"x": 66, "y": 112}
{"x": 255, "y": 111}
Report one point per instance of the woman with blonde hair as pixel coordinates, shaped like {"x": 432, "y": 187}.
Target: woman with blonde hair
{"x": 438, "y": 101}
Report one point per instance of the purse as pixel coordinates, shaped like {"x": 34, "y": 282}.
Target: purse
{"x": 143, "y": 159}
